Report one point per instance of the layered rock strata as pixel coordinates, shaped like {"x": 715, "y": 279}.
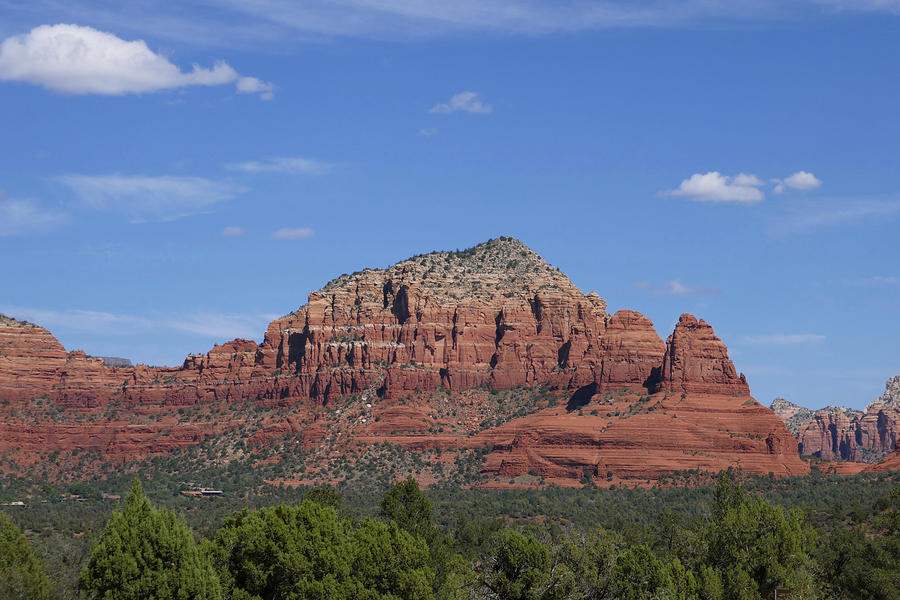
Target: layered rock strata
{"x": 495, "y": 315}
{"x": 838, "y": 433}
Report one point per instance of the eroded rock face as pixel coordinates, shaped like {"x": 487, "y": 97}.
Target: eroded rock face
{"x": 793, "y": 415}
{"x": 890, "y": 462}
{"x": 838, "y": 433}
{"x": 667, "y": 433}
{"x": 495, "y": 315}
{"x": 696, "y": 361}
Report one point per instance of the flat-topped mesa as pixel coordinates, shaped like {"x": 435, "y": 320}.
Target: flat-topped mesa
{"x": 696, "y": 361}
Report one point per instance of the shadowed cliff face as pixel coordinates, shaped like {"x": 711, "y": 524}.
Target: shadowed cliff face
{"x": 493, "y": 316}
{"x": 838, "y": 433}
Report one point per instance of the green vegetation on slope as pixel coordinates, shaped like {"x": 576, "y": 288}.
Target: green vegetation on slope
{"x": 820, "y": 537}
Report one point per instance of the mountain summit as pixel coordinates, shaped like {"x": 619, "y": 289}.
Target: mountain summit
{"x": 430, "y": 347}
{"x": 498, "y": 268}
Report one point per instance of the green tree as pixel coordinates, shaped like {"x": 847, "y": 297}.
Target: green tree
{"x": 406, "y": 505}
{"x": 522, "y": 568}
{"x": 591, "y": 561}
{"x": 863, "y": 562}
{"x": 390, "y": 564}
{"x": 146, "y": 552}
{"x": 286, "y": 552}
{"x": 638, "y": 574}
{"x": 21, "y": 575}
{"x": 755, "y": 546}
{"x": 326, "y": 495}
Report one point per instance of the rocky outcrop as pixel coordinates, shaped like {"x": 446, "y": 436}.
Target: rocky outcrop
{"x": 838, "y": 433}
{"x": 632, "y": 351}
{"x": 696, "y": 361}
{"x": 891, "y": 462}
{"x": 629, "y": 439}
{"x": 793, "y": 415}
{"x": 495, "y": 316}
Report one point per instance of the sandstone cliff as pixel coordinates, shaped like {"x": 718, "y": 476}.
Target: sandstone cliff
{"x": 495, "y": 317}
{"x": 838, "y": 433}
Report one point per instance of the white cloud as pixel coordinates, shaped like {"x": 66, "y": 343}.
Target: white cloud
{"x": 19, "y": 217}
{"x": 252, "y": 85}
{"x": 428, "y": 132}
{"x": 782, "y": 339}
{"x": 285, "y": 164}
{"x": 82, "y": 60}
{"x": 301, "y": 233}
{"x": 675, "y": 288}
{"x": 233, "y": 232}
{"x": 150, "y": 198}
{"x": 801, "y": 180}
{"x": 463, "y": 101}
{"x": 743, "y": 179}
{"x": 715, "y": 187}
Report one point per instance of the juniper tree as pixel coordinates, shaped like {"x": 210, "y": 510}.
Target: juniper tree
{"x": 21, "y": 575}
{"x": 147, "y": 552}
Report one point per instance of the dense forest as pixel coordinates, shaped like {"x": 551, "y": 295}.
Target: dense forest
{"x": 736, "y": 538}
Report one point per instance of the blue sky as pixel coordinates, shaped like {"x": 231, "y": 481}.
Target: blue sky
{"x": 736, "y": 160}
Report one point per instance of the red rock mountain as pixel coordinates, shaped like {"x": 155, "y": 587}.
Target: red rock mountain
{"x": 495, "y": 316}
{"x": 838, "y": 433}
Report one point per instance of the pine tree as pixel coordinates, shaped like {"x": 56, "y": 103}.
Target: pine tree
{"x": 146, "y": 552}
{"x": 21, "y": 575}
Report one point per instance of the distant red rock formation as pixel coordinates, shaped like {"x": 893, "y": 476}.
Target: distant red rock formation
{"x": 496, "y": 315}
{"x": 838, "y": 433}
{"x": 890, "y": 462}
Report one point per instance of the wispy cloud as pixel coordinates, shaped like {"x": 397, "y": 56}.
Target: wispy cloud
{"x": 875, "y": 6}
{"x": 283, "y": 164}
{"x": 300, "y": 233}
{"x": 783, "y": 339}
{"x": 463, "y": 102}
{"x": 428, "y": 132}
{"x": 21, "y": 217}
{"x": 206, "y": 324}
{"x": 807, "y": 217}
{"x": 233, "y": 232}
{"x": 161, "y": 198}
{"x": 276, "y": 22}
{"x": 801, "y": 180}
{"x": 72, "y": 59}
{"x": 715, "y": 187}
{"x": 873, "y": 280}
{"x": 221, "y": 325}
{"x": 426, "y": 18}
{"x": 675, "y": 288}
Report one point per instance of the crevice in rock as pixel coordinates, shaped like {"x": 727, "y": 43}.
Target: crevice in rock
{"x": 581, "y": 396}
{"x": 400, "y": 305}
